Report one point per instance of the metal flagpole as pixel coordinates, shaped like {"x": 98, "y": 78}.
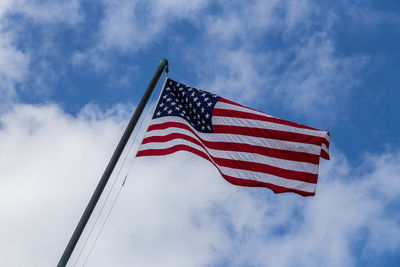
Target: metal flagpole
{"x": 110, "y": 167}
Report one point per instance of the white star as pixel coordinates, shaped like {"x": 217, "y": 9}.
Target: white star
{"x": 202, "y": 110}
{"x": 195, "y": 99}
{"x": 198, "y": 104}
{"x": 192, "y": 94}
{"x": 173, "y": 103}
{"x": 162, "y": 104}
{"x": 208, "y": 127}
{"x": 165, "y": 108}
{"x": 169, "y": 111}
{"x": 169, "y": 99}
{"x": 207, "y": 115}
{"x": 203, "y": 94}
{"x": 177, "y": 108}
{"x": 158, "y": 113}
{"x": 206, "y": 99}
{"x": 202, "y": 127}
{"x": 164, "y": 97}
{"x": 209, "y": 104}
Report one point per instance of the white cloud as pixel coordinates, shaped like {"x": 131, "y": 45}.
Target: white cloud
{"x": 267, "y": 51}
{"x": 133, "y": 25}
{"x": 50, "y": 162}
{"x": 368, "y": 17}
{"x": 44, "y": 11}
{"x": 177, "y": 210}
{"x": 14, "y": 61}
{"x": 278, "y": 52}
{"x": 316, "y": 80}
{"x": 13, "y": 68}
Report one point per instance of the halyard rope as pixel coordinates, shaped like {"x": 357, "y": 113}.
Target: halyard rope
{"x": 114, "y": 182}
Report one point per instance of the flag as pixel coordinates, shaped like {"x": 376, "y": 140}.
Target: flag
{"x": 248, "y": 147}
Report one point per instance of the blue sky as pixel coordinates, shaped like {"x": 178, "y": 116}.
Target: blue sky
{"x": 71, "y": 73}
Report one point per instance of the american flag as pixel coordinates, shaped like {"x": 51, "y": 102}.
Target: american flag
{"x": 248, "y": 147}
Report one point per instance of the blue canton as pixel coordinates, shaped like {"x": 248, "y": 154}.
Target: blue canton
{"x": 193, "y": 105}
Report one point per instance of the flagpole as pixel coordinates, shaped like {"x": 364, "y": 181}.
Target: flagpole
{"x": 111, "y": 165}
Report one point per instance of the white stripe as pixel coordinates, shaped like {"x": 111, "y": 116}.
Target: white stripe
{"x": 219, "y": 120}
{"x": 223, "y": 105}
{"x": 239, "y": 173}
{"x": 236, "y": 138}
{"x": 325, "y": 148}
{"x": 274, "y": 162}
{"x": 244, "y": 156}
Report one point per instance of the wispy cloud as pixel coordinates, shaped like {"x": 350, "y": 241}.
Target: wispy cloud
{"x": 284, "y": 48}
{"x": 128, "y": 26}
{"x": 44, "y": 11}
{"x": 13, "y": 67}
{"x": 316, "y": 80}
{"x": 16, "y": 59}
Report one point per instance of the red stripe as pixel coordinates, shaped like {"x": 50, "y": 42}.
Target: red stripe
{"x": 236, "y": 181}
{"x": 240, "y": 164}
{"x": 324, "y": 155}
{"x": 265, "y": 151}
{"x": 230, "y": 146}
{"x": 171, "y": 150}
{"x": 246, "y": 115}
{"x": 169, "y": 124}
{"x": 271, "y": 134}
{"x": 224, "y": 100}
{"x": 264, "y": 168}
{"x": 271, "y": 119}
{"x": 275, "y": 188}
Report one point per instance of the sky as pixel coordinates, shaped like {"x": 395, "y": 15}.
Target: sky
{"x": 72, "y": 73}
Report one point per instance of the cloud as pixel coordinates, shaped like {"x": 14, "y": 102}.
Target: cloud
{"x": 315, "y": 77}
{"x": 44, "y": 11}
{"x": 278, "y": 52}
{"x": 45, "y": 156}
{"x": 367, "y": 16}
{"x": 286, "y": 48}
{"x": 177, "y": 210}
{"x": 13, "y": 67}
{"x": 15, "y": 58}
{"x": 129, "y": 26}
